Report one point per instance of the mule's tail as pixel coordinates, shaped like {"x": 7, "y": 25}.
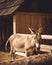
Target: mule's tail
{"x": 6, "y": 44}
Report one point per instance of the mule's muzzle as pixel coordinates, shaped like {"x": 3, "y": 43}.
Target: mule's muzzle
{"x": 37, "y": 47}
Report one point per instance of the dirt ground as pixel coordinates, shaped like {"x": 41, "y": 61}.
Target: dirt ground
{"x": 5, "y": 56}
{"x": 40, "y": 59}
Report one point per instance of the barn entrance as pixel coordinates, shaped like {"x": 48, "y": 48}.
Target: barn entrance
{"x": 5, "y": 30}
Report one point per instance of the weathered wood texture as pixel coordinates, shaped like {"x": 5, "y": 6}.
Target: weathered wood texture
{"x": 6, "y": 9}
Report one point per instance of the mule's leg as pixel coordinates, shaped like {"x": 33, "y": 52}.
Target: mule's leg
{"x": 12, "y": 54}
{"x": 29, "y": 52}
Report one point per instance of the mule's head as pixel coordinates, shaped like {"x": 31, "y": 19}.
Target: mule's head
{"x": 37, "y": 38}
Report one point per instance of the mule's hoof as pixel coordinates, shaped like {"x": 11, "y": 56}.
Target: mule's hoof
{"x": 11, "y": 61}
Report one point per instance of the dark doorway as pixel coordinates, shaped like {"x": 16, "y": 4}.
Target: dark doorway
{"x": 47, "y": 25}
{"x": 5, "y": 30}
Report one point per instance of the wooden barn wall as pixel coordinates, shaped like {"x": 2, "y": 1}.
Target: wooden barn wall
{"x": 30, "y": 19}
{"x": 33, "y": 20}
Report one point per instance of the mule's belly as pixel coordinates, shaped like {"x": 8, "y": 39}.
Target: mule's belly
{"x": 19, "y": 50}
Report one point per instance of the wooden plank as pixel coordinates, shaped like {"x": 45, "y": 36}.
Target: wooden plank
{"x": 46, "y": 48}
{"x": 49, "y": 37}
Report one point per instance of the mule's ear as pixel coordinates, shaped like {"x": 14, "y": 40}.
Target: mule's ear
{"x": 30, "y": 29}
{"x": 33, "y": 30}
{"x": 40, "y": 30}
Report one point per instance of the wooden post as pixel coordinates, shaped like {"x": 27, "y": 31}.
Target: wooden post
{"x": 14, "y": 24}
